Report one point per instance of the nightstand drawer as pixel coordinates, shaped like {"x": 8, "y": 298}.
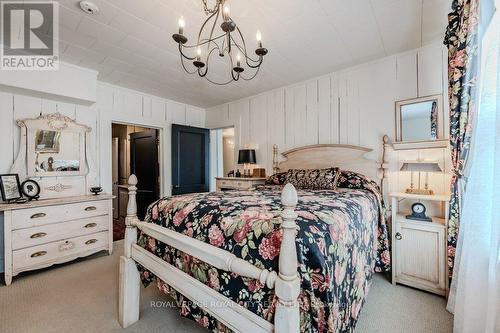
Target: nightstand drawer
{"x": 238, "y": 183}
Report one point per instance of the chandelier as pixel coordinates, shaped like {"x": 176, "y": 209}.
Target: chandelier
{"x": 228, "y": 44}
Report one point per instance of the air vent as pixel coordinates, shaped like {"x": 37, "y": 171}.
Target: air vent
{"x": 89, "y": 7}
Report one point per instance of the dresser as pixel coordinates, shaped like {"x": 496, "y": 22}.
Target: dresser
{"x": 42, "y": 233}
{"x": 237, "y": 183}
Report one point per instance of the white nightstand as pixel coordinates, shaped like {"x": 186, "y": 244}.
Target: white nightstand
{"x": 419, "y": 253}
{"x": 238, "y": 183}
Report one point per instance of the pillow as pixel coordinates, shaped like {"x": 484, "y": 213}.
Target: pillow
{"x": 354, "y": 180}
{"x": 277, "y": 179}
{"x": 314, "y": 179}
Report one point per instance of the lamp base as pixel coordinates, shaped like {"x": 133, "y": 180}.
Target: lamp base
{"x": 419, "y": 191}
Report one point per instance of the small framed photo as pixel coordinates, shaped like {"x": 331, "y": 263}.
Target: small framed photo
{"x": 10, "y": 187}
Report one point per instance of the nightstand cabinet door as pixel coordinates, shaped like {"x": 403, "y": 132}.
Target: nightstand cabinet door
{"x": 420, "y": 259}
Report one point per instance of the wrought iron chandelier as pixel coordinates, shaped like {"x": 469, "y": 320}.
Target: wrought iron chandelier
{"x": 229, "y": 44}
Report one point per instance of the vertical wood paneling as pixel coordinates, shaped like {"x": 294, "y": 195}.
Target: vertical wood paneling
{"x": 353, "y": 116}
{"x": 406, "y": 76}
{"x": 177, "y": 112}
{"x": 7, "y": 123}
{"x": 430, "y": 71}
{"x": 275, "y": 123}
{"x": 300, "y": 115}
{"x": 312, "y": 135}
{"x": 289, "y": 119}
{"x": 343, "y": 109}
{"x": 258, "y": 128}
{"x": 324, "y": 110}
{"x": 24, "y": 107}
{"x": 335, "y": 104}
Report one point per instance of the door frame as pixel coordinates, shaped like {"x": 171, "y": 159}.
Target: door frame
{"x": 161, "y": 143}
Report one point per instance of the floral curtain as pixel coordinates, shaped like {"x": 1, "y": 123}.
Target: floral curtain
{"x": 434, "y": 121}
{"x": 462, "y": 40}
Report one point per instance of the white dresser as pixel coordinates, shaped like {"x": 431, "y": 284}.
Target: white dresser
{"x": 42, "y": 233}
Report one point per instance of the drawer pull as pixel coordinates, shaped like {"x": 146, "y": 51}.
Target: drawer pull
{"x": 90, "y": 208}
{"x": 38, "y": 215}
{"x": 67, "y": 245}
{"x": 398, "y": 236}
{"x": 91, "y": 225}
{"x": 38, "y": 254}
{"x": 91, "y": 241}
{"x": 38, "y": 235}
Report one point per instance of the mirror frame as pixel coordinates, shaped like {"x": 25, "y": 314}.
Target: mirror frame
{"x": 60, "y": 123}
{"x": 440, "y": 120}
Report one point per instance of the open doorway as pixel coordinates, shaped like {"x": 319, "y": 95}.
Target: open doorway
{"x": 223, "y": 154}
{"x": 135, "y": 150}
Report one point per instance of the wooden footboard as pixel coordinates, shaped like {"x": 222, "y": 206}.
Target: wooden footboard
{"x": 285, "y": 282}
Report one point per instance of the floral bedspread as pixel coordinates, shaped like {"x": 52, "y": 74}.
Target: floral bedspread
{"x": 341, "y": 241}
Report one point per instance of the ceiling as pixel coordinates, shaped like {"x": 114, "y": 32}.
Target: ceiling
{"x": 129, "y": 42}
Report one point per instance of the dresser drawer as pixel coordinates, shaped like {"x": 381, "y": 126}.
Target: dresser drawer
{"x": 27, "y": 237}
{"x": 55, "y": 252}
{"x": 32, "y": 217}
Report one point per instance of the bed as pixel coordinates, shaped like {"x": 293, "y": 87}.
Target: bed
{"x": 270, "y": 260}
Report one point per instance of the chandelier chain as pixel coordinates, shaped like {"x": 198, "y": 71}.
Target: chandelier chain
{"x": 209, "y": 10}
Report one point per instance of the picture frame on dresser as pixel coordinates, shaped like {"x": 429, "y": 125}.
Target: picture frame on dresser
{"x": 10, "y": 187}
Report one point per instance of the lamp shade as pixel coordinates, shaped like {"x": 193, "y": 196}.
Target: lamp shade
{"x": 247, "y": 156}
{"x": 421, "y": 166}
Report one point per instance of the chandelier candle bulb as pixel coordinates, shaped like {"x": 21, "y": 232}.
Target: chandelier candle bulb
{"x": 238, "y": 60}
{"x": 259, "y": 38}
{"x": 227, "y": 12}
{"x": 182, "y": 23}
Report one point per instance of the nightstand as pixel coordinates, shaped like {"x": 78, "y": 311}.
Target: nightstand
{"x": 419, "y": 253}
{"x": 234, "y": 183}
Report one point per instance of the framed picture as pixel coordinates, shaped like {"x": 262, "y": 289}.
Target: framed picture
{"x": 10, "y": 187}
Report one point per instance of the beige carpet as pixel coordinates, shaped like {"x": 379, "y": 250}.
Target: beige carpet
{"x": 82, "y": 297}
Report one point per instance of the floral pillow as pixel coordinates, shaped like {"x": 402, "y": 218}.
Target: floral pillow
{"x": 277, "y": 179}
{"x": 354, "y": 180}
{"x": 314, "y": 179}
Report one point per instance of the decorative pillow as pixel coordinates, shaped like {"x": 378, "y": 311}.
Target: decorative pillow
{"x": 277, "y": 179}
{"x": 314, "y": 179}
{"x": 354, "y": 180}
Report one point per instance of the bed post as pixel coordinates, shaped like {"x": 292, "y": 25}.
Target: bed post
{"x": 128, "y": 303}
{"x": 287, "y": 318}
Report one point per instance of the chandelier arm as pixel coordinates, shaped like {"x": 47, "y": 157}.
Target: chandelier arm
{"x": 252, "y": 77}
{"x": 184, "y": 66}
{"x": 212, "y": 31}
{"x": 204, "y": 24}
{"x": 244, "y": 51}
{"x": 203, "y": 42}
{"x": 183, "y": 55}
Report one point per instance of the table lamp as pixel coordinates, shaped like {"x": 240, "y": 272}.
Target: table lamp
{"x": 245, "y": 157}
{"x": 420, "y": 166}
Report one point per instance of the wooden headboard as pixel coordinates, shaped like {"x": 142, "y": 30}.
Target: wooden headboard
{"x": 346, "y": 157}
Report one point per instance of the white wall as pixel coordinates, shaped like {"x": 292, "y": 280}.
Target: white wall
{"x": 353, "y": 106}
{"x": 114, "y": 104}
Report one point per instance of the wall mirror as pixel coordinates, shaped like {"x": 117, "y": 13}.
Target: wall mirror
{"x": 55, "y": 146}
{"x": 420, "y": 120}
{"x": 57, "y": 151}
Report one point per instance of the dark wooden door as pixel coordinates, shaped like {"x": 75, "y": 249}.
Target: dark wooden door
{"x": 190, "y": 159}
{"x": 144, "y": 164}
